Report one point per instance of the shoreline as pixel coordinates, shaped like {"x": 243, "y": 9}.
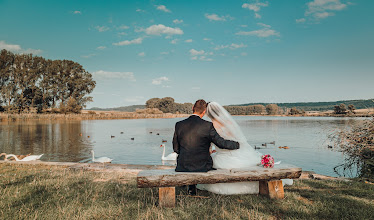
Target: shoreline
{"x": 133, "y": 115}
{"x": 86, "y": 116}
{"x": 134, "y": 169}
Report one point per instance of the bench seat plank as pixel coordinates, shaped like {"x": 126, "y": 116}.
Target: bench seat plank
{"x": 170, "y": 178}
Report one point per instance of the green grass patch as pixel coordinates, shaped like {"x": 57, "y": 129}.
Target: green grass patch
{"x": 51, "y": 192}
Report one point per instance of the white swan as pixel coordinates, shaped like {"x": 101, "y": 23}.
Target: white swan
{"x": 172, "y": 156}
{"x": 100, "y": 159}
{"x": 28, "y": 158}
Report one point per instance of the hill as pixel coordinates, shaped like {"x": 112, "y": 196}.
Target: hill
{"x": 320, "y": 106}
{"x": 130, "y": 108}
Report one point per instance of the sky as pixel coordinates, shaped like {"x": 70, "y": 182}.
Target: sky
{"x": 229, "y": 51}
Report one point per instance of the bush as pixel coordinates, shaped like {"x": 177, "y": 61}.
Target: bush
{"x": 357, "y": 144}
{"x": 272, "y": 109}
{"x": 92, "y": 112}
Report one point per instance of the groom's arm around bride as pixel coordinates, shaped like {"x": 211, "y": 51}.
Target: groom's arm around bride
{"x": 192, "y": 139}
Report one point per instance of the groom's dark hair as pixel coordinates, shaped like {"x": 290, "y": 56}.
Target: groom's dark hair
{"x": 200, "y": 106}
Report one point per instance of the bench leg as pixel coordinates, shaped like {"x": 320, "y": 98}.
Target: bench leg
{"x": 166, "y": 196}
{"x": 274, "y": 189}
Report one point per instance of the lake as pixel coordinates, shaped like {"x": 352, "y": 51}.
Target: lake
{"x": 73, "y": 141}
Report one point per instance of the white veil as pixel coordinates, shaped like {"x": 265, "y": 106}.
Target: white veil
{"x": 227, "y": 126}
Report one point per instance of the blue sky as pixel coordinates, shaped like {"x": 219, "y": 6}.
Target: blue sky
{"x": 227, "y": 51}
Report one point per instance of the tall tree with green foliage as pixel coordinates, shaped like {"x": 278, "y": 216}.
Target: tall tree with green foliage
{"x": 29, "y": 81}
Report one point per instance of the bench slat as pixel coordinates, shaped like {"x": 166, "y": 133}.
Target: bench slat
{"x": 166, "y": 178}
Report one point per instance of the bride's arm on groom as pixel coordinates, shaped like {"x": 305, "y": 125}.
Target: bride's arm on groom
{"x": 221, "y": 142}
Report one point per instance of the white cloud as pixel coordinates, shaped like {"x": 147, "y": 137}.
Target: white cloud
{"x": 129, "y": 42}
{"x": 88, "y": 55}
{"x": 322, "y": 15}
{"x": 140, "y": 10}
{"x": 264, "y": 25}
{"x": 162, "y": 29}
{"x": 15, "y": 48}
{"x": 102, "y": 28}
{"x": 300, "y": 20}
{"x": 122, "y": 33}
{"x": 101, "y": 74}
{"x": 141, "y": 54}
{"x": 174, "y": 41}
{"x": 320, "y": 9}
{"x": 204, "y": 58}
{"x": 33, "y": 51}
{"x": 264, "y": 32}
{"x": 207, "y": 39}
{"x": 188, "y": 40}
{"x": 259, "y": 33}
{"x": 215, "y": 17}
{"x": 10, "y": 47}
{"x": 194, "y": 52}
{"x": 200, "y": 55}
{"x": 77, "y": 12}
{"x": 255, "y": 7}
{"x": 160, "y": 80}
{"x": 163, "y": 8}
{"x": 176, "y": 21}
{"x": 101, "y": 48}
{"x": 164, "y": 53}
{"x": 231, "y": 46}
{"x": 123, "y": 27}
{"x": 243, "y": 54}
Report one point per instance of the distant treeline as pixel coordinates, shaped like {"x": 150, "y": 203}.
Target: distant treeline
{"x": 320, "y": 106}
{"x": 34, "y": 83}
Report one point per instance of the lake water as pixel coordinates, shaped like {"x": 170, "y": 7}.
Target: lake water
{"x": 306, "y": 138}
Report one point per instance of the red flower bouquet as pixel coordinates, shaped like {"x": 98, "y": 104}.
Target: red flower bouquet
{"x": 267, "y": 161}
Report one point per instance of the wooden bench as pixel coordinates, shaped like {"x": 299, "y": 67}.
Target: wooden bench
{"x": 166, "y": 180}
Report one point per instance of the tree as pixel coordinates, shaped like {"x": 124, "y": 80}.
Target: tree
{"x": 166, "y": 105}
{"x": 151, "y": 103}
{"x": 351, "y": 108}
{"x": 28, "y": 81}
{"x": 294, "y": 111}
{"x": 272, "y": 109}
{"x": 340, "y": 109}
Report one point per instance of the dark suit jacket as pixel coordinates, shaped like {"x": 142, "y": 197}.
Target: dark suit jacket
{"x": 192, "y": 139}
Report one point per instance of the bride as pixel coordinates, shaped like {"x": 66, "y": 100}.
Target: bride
{"x": 244, "y": 157}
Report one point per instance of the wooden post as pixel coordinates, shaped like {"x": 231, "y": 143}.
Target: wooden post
{"x": 166, "y": 196}
{"x": 274, "y": 189}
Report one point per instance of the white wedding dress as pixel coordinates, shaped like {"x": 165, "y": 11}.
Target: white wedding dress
{"x": 244, "y": 157}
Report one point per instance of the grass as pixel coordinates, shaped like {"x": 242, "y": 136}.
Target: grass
{"x": 51, "y": 192}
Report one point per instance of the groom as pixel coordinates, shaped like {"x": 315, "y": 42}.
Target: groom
{"x": 192, "y": 139}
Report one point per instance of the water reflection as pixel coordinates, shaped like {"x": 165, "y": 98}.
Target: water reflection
{"x": 138, "y": 141}
{"x": 58, "y": 141}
